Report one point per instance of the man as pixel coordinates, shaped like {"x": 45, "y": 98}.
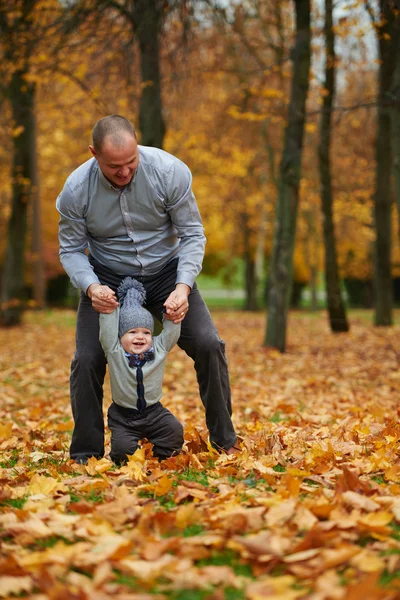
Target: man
{"x": 133, "y": 209}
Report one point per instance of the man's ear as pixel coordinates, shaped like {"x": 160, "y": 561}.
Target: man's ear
{"x": 93, "y": 151}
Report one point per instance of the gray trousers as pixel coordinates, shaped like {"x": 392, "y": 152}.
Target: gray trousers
{"x": 199, "y": 339}
{"x": 156, "y": 423}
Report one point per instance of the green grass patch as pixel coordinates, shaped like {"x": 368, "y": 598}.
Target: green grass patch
{"x": 186, "y": 594}
{"x": 224, "y": 303}
{"x": 230, "y": 558}
{"x": 277, "y": 417}
{"x": 194, "y": 475}
{"x": 379, "y": 479}
{"x": 50, "y": 542}
{"x": 387, "y": 579}
{"x": 128, "y": 580}
{"x": 229, "y": 594}
{"x": 396, "y": 530}
{"x": 192, "y": 530}
{"x": 94, "y": 496}
{"x": 389, "y": 551}
{"x": 311, "y": 483}
{"x": 14, "y": 502}
{"x": 365, "y": 540}
{"x": 61, "y": 318}
{"x": 166, "y": 501}
{"x": 279, "y": 469}
{"x": 11, "y": 461}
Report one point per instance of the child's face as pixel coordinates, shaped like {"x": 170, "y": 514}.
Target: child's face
{"x": 137, "y": 340}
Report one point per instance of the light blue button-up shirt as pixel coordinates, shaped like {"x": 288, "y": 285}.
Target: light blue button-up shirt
{"x": 133, "y": 231}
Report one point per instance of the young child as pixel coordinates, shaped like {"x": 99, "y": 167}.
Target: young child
{"x": 136, "y": 363}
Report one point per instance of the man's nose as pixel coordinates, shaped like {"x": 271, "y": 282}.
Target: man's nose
{"x": 124, "y": 171}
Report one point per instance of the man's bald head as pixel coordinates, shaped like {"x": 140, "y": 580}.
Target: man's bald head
{"x": 116, "y": 128}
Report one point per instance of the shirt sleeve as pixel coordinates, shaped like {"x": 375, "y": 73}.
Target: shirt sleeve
{"x": 182, "y": 207}
{"x": 73, "y": 240}
{"x": 169, "y": 335}
{"x": 109, "y": 330}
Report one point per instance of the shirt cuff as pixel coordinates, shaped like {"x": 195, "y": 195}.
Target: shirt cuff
{"x": 87, "y": 282}
{"x": 185, "y": 278}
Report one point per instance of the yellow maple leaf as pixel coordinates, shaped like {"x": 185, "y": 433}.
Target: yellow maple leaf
{"x": 376, "y": 521}
{"x": 163, "y": 486}
{"x": 95, "y": 466}
{"x": 5, "y": 431}
{"x": 40, "y": 484}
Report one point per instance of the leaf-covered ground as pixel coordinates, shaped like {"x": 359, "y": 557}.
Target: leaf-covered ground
{"x": 309, "y": 509}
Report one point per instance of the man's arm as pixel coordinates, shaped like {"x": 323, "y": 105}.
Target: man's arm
{"x": 184, "y": 213}
{"x": 182, "y": 208}
{"x": 73, "y": 240}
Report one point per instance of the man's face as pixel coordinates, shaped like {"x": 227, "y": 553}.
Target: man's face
{"x": 118, "y": 163}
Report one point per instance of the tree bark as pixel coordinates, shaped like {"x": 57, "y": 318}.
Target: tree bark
{"x": 336, "y": 308}
{"x": 382, "y": 196}
{"x": 395, "y": 133}
{"x": 281, "y": 268}
{"x": 38, "y": 274}
{"x": 147, "y": 19}
{"x": 21, "y": 95}
{"x": 395, "y": 129}
{"x": 251, "y": 286}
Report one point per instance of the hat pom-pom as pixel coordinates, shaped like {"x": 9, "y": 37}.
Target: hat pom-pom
{"x": 135, "y": 289}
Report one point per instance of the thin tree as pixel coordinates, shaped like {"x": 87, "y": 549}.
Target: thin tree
{"x": 146, "y": 19}
{"x": 387, "y": 29}
{"x": 24, "y": 26}
{"x": 20, "y": 92}
{"x": 395, "y": 118}
{"x": 336, "y": 308}
{"x": 281, "y": 267}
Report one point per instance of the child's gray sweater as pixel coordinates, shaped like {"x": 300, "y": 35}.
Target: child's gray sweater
{"x": 122, "y": 376}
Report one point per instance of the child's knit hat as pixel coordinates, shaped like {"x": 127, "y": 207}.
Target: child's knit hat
{"x": 131, "y": 296}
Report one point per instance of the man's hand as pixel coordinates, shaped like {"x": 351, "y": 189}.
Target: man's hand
{"x": 177, "y": 305}
{"x": 103, "y": 298}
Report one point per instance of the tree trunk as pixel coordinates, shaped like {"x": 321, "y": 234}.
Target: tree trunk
{"x": 250, "y": 267}
{"x": 147, "y": 18}
{"x": 336, "y": 308}
{"x": 38, "y": 275}
{"x": 281, "y": 268}
{"x": 314, "y": 287}
{"x": 311, "y": 245}
{"x": 395, "y": 131}
{"x": 382, "y": 196}
{"x": 21, "y": 95}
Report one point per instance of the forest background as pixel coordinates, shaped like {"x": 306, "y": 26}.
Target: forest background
{"x": 210, "y": 83}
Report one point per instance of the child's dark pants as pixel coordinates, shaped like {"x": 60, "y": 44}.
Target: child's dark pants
{"x": 156, "y": 423}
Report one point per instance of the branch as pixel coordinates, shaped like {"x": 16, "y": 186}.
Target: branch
{"x": 81, "y": 84}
